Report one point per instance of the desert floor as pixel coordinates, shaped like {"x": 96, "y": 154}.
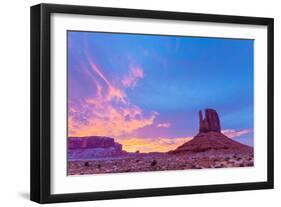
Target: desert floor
{"x": 159, "y": 162}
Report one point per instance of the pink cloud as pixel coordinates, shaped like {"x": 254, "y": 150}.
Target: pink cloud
{"x": 108, "y": 112}
{"x": 164, "y": 125}
{"x": 232, "y": 133}
{"x": 130, "y": 80}
{"x": 137, "y": 72}
{"x": 113, "y": 92}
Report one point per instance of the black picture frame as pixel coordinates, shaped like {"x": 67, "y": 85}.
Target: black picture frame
{"x": 41, "y": 98}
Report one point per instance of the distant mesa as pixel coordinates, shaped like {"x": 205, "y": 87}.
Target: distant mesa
{"x": 80, "y": 148}
{"x": 92, "y": 142}
{"x": 210, "y": 138}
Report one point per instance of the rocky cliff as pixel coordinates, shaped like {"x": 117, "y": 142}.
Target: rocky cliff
{"x": 210, "y": 123}
{"x": 92, "y": 147}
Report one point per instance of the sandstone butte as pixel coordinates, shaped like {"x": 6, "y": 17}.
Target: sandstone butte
{"x": 210, "y": 139}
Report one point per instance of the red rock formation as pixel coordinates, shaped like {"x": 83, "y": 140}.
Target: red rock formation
{"x": 92, "y": 142}
{"x": 213, "y": 142}
{"x": 81, "y": 148}
{"x": 210, "y": 139}
{"x": 210, "y": 123}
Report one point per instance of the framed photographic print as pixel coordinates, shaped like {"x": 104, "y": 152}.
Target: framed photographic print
{"x": 133, "y": 103}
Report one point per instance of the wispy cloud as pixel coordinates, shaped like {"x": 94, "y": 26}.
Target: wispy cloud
{"x": 164, "y": 125}
{"x": 113, "y": 92}
{"x": 131, "y": 79}
{"x": 232, "y": 133}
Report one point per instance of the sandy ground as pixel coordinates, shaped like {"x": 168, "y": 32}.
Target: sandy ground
{"x": 159, "y": 162}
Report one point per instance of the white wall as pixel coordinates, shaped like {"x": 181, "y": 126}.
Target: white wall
{"x": 14, "y": 104}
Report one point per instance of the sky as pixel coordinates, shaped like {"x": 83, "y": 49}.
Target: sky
{"x": 145, "y": 91}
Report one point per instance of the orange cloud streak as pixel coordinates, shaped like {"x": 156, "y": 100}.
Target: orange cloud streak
{"x": 152, "y": 144}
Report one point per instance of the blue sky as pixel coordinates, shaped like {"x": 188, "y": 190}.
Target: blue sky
{"x": 161, "y": 81}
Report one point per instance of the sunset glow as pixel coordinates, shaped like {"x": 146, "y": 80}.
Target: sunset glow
{"x": 145, "y": 91}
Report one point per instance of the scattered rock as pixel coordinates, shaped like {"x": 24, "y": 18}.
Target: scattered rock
{"x": 153, "y": 163}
